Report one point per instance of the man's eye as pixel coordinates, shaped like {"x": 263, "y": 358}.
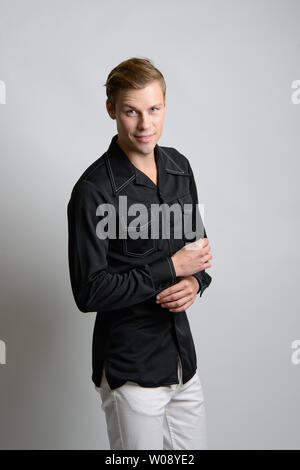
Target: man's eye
{"x": 133, "y": 111}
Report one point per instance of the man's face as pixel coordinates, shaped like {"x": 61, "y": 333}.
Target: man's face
{"x": 139, "y": 113}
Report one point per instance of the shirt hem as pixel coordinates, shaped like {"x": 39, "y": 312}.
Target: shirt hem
{"x": 147, "y": 384}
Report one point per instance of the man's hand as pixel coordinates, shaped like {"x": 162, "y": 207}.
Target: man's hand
{"x": 179, "y": 296}
{"x": 192, "y": 258}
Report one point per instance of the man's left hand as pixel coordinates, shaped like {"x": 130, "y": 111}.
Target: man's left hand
{"x": 180, "y": 296}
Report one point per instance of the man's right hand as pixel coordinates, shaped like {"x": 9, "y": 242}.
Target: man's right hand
{"x": 192, "y": 258}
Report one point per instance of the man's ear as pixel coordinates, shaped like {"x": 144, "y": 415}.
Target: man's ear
{"x": 110, "y": 109}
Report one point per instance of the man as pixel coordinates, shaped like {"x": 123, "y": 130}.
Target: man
{"x": 144, "y": 359}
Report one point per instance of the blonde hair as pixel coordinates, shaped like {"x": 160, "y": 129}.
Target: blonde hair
{"x": 132, "y": 73}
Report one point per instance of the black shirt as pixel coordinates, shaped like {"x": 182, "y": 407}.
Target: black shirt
{"x": 134, "y": 337}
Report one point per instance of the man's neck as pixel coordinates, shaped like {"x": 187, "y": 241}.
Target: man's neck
{"x": 141, "y": 161}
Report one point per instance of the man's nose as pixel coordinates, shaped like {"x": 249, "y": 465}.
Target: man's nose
{"x": 144, "y": 122}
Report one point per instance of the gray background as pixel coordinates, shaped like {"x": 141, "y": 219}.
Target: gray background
{"x": 229, "y": 66}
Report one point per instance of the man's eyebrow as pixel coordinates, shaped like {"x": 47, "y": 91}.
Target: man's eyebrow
{"x": 130, "y": 106}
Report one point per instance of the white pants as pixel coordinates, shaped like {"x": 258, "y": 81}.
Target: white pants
{"x": 166, "y": 417}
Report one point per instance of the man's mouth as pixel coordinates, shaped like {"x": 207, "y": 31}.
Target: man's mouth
{"x": 144, "y": 138}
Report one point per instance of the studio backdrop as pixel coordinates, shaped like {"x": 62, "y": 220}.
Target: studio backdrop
{"x": 233, "y": 109}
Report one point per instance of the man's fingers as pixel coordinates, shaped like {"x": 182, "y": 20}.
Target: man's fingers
{"x": 179, "y": 286}
{"x": 183, "y": 307}
{"x": 178, "y": 302}
{"x": 184, "y": 291}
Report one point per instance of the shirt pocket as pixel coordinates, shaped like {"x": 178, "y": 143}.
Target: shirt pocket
{"x": 142, "y": 246}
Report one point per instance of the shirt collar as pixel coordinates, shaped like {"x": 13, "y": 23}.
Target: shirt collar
{"x": 122, "y": 172}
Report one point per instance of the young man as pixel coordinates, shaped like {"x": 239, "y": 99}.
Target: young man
{"x": 144, "y": 359}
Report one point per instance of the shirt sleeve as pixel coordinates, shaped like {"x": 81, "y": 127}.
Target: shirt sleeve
{"x": 203, "y": 278}
{"x": 94, "y": 287}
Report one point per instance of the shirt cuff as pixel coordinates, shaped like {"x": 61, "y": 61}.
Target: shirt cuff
{"x": 163, "y": 272}
{"x": 199, "y": 282}
{"x": 204, "y": 280}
